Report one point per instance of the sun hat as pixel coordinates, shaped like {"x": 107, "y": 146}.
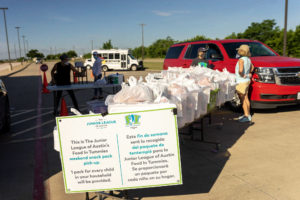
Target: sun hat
{"x": 64, "y": 56}
{"x": 244, "y": 50}
{"x": 244, "y": 47}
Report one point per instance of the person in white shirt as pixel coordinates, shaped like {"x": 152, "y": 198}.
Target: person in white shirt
{"x": 97, "y": 73}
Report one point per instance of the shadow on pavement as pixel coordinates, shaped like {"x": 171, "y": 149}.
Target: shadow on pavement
{"x": 201, "y": 165}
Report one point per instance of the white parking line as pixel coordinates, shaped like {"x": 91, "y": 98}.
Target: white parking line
{"x": 32, "y": 128}
{"x": 31, "y": 139}
{"x": 21, "y": 113}
{"x": 24, "y": 120}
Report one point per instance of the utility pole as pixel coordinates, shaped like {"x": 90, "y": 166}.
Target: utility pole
{"x": 142, "y": 25}
{"x": 27, "y": 46}
{"x": 23, "y": 36}
{"x": 50, "y": 50}
{"x": 285, "y": 27}
{"x": 17, "y": 27}
{"x": 55, "y": 50}
{"x": 10, "y": 66}
{"x": 15, "y": 51}
{"x": 92, "y": 44}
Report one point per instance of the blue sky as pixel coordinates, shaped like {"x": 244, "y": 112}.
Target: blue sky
{"x": 72, "y": 24}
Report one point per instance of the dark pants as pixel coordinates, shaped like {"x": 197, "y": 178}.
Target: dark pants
{"x": 96, "y": 90}
{"x": 58, "y": 97}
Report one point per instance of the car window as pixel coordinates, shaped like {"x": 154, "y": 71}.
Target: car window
{"x": 212, "y": 49}
{"x": 117, "y": 56}
{"x": 174, "y": 52}
{"x": 256, "y": 49}
{"x": 192, "y": 51}
{"x": 111, "y": 56}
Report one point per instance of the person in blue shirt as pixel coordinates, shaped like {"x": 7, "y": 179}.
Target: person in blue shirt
{"x": 243, "y": 72}
{"x": 97, "y": 73}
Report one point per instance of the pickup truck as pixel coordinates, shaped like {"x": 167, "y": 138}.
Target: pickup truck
{"x": 276, "y": 79}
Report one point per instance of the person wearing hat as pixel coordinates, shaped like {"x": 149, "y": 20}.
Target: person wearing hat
{"x": 97, "y": 73}
{"x": 243, "y": 72}
{"x": 61, "y": 76}
{"x": 200, "y": 60}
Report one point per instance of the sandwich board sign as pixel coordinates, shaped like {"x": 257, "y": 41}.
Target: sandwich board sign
{"x": 120, "y": 151}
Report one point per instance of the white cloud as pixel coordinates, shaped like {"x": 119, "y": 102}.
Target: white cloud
{"x": 169, "y": 13}
{"x": 162, "y": 14}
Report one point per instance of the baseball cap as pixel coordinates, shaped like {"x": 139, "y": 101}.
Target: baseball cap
{"x": 202, "y": 49}
{"x": 63, "y": 56}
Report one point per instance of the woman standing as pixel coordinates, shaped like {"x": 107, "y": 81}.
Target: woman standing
{"x": 243, "y": 72}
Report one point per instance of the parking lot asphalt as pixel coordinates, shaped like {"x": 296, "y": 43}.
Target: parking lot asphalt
{"x": 258, "y": 161}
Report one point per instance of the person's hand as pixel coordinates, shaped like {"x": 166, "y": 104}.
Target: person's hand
{"x": 250, "y": 75}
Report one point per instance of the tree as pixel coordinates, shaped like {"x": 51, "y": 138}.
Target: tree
{"x": 107, "y": 45}
{"x": 71, "y": 54}
{"x": 87, "y": 55}
{"x": 159, "y": 48}
{"x": 197, "y": 38}
{"x": 34, "y": 53}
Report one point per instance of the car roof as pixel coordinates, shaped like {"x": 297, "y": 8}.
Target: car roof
{"x": 215, "y": 41}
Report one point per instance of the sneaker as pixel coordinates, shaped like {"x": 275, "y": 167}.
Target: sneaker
{"x": 250, "y": 118}
{"x": 240, "y": 117}
{"x": 245, "y": 119}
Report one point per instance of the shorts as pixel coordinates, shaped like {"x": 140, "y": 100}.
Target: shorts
{"x": 242, "y": 88}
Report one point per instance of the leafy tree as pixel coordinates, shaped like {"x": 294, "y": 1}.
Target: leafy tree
{"x": 107, "y": 45}
{"x": 34, "y": 53}
{"x": 87, "y": 55}
{"x": 71, "y": 54}
{"x": 197, "y": 38}
{"x": 159, "y": 48}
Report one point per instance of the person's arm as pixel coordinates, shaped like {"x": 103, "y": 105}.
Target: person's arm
{"x": 241, "y": 68}
{"x": 74, "y": 69}
{"x": 52, "y": 73}
{"x": 194, "y": 63}
{"x": 251, "y": 71}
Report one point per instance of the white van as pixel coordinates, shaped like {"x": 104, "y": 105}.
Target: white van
{"x": 116, "y": 59}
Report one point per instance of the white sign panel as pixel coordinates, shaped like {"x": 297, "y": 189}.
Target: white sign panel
{"x": 119, "y": 151}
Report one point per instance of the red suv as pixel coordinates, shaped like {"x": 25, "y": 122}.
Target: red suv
{"x": 276, "y": 80}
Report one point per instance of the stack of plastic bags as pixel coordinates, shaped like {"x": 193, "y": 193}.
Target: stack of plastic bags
{"x": 187, "y": 88}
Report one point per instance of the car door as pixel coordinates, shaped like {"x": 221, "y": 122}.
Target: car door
{"x": 192, "y": 52}
{"x": 215, "y": 56}
{"x": 123, "y": 61}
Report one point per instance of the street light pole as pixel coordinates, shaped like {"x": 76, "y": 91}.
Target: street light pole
{"x": 23, "y": 36}
{"x": 285, "y": 27}
{"x": 27, "y": 46}
{"x": 142, "y": 25}
{"x": 10, "y": 66}
{"x": 17, "y": 27}
{"x": 15, "y": 51}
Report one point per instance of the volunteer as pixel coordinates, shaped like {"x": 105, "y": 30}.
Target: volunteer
{"x": 61, "y": 76}
{"x": 200, "y": 60}
{"x": 97, "y": 73}
{"x": 243, "y": 72}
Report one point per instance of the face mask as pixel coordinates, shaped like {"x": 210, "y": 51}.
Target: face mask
{"x": 95, "y": 57}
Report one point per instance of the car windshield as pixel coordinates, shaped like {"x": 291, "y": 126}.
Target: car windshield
{"x": 131, "y": 56}
{"x": 256, "y": 49}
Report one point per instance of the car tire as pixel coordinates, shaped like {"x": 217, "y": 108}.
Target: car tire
{"x": 133, "y": 68}
{"x": 104, "y": 68}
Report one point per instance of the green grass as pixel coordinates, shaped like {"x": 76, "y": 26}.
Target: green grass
{"x": 153, "y": 65}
